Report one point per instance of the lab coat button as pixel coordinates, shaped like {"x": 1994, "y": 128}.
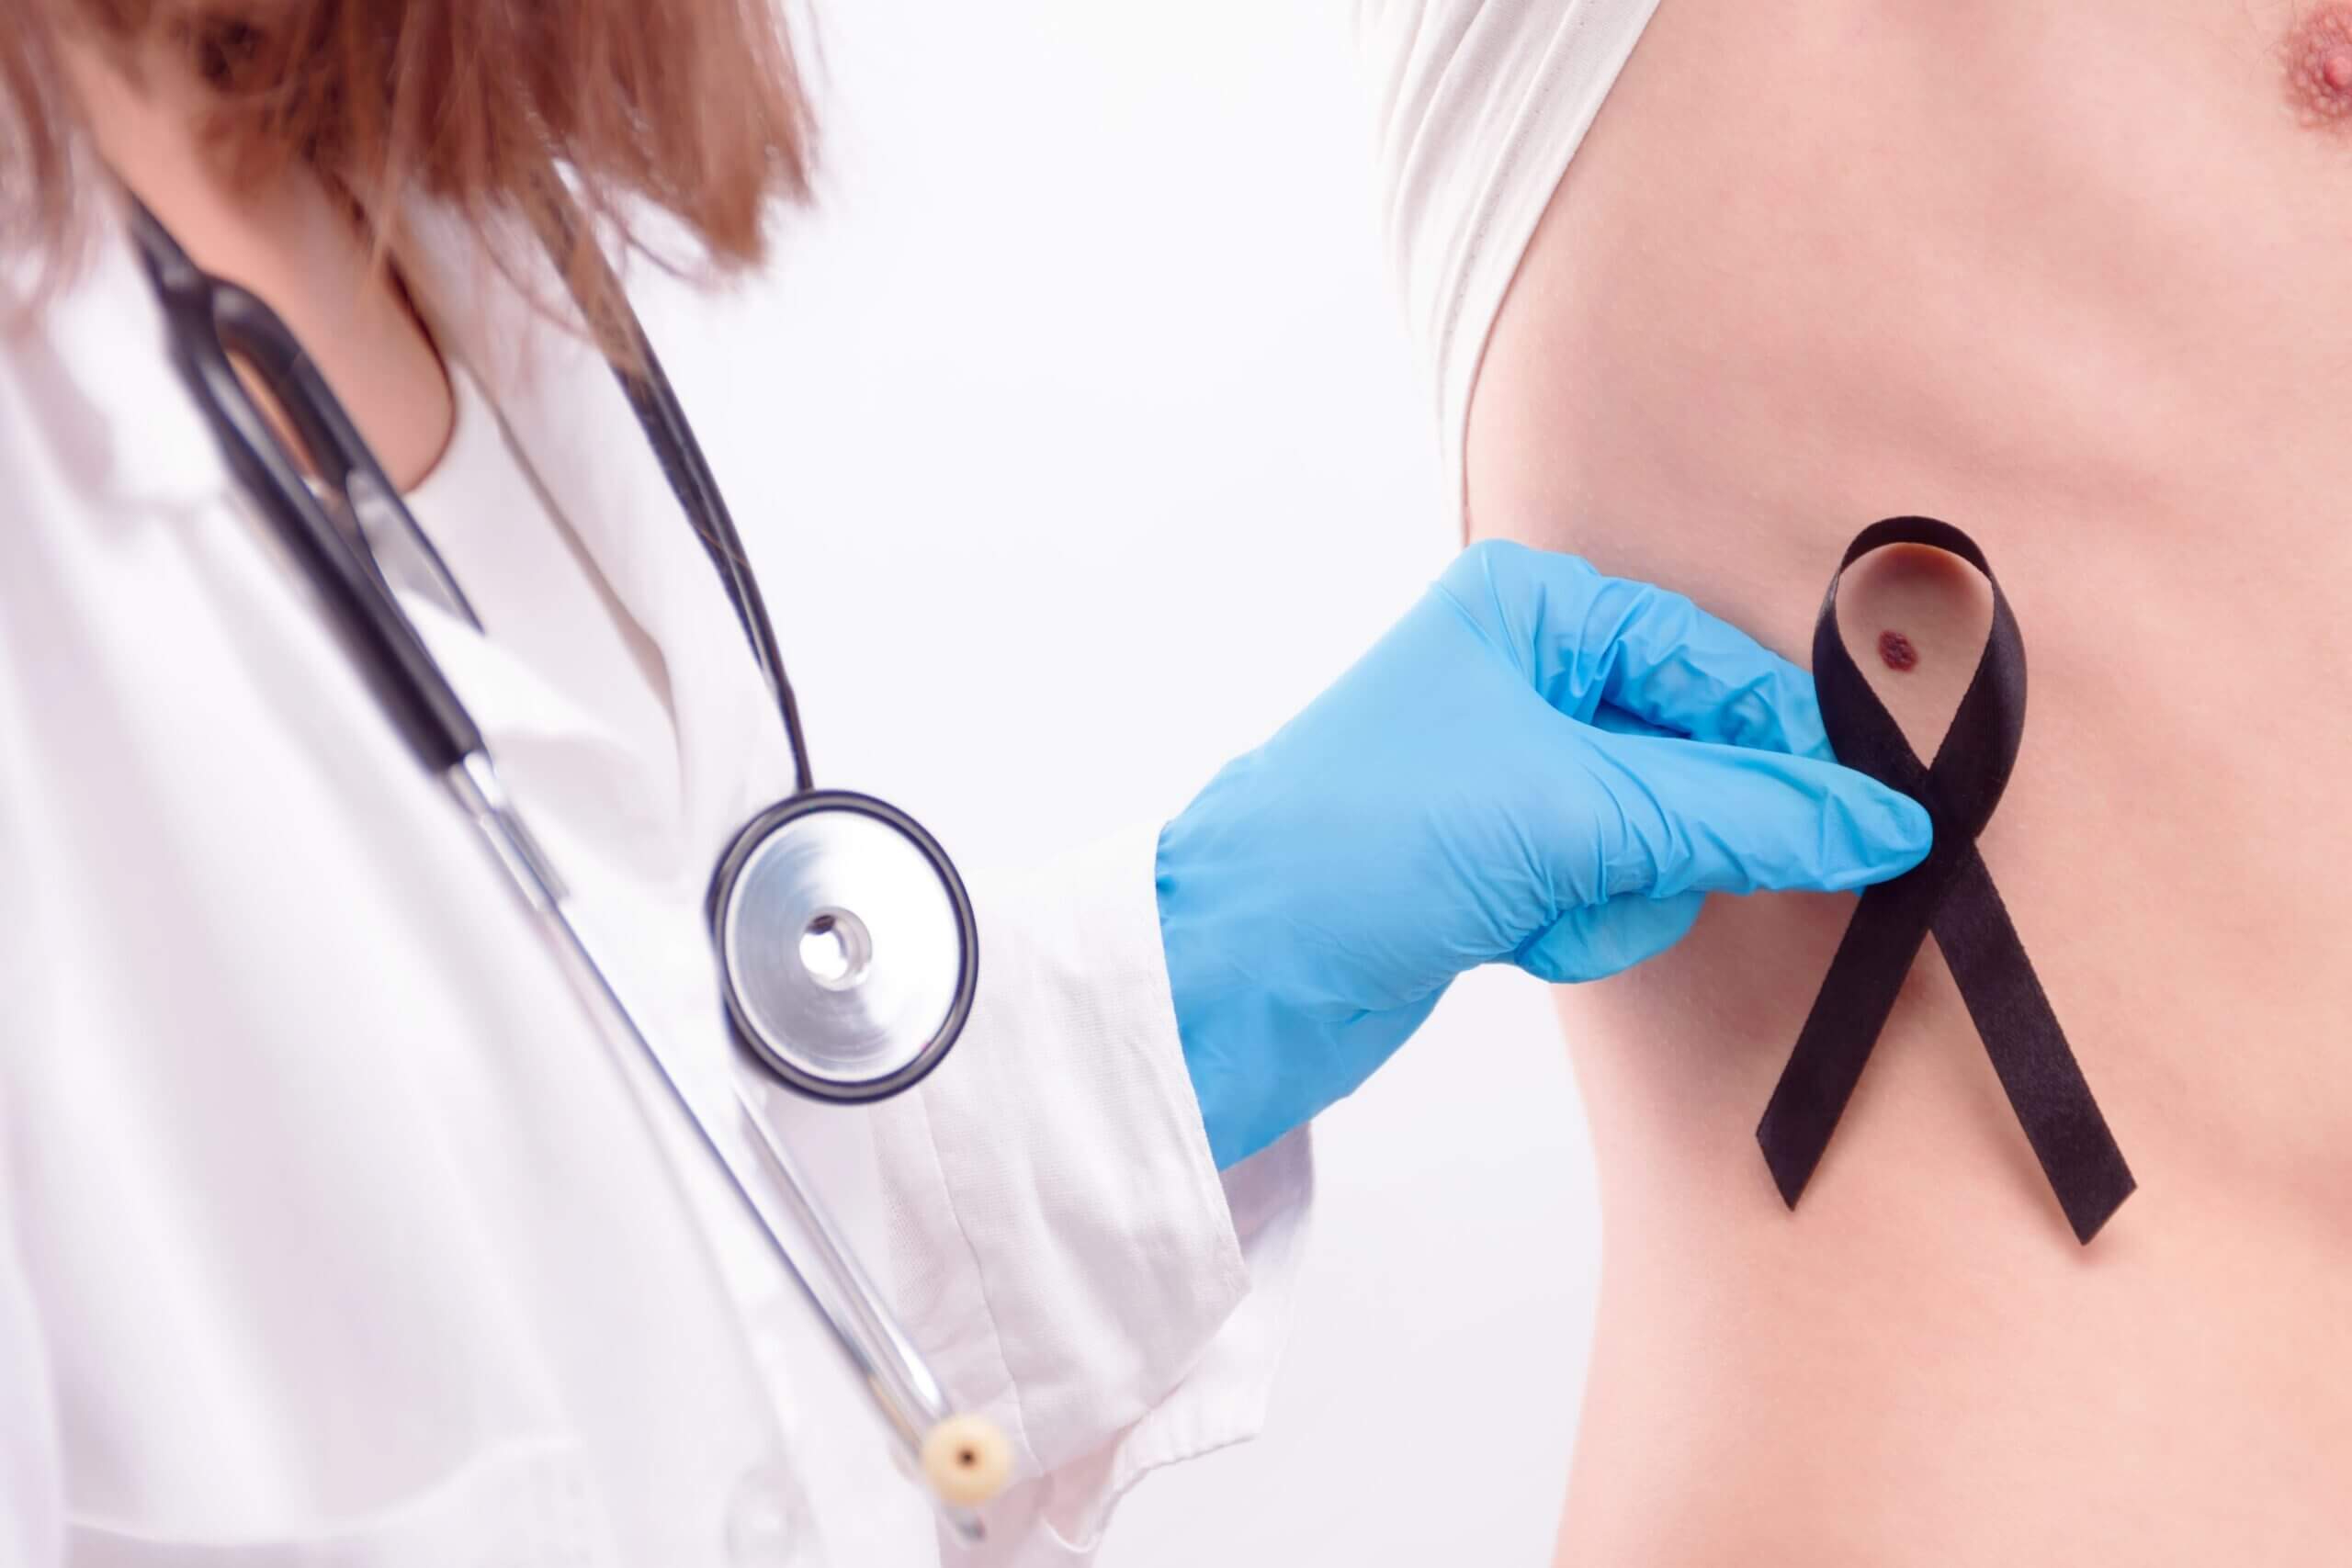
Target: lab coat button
{"x": 759, "y": 1521}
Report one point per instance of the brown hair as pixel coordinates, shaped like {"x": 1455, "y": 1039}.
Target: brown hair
{"x": 694, "y": 106}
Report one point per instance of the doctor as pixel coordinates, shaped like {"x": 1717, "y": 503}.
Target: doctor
{"x": 330, "y": 1234}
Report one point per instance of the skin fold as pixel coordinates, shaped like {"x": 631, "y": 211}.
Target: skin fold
{"x": 2072, "y": 278}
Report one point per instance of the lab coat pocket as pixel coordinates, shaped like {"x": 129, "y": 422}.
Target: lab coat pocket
{"x": 522, "y": 1505}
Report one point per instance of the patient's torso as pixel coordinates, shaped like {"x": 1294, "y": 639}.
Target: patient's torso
{"x": 2079, "y": 279}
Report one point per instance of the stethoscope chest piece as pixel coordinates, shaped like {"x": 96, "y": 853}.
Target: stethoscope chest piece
{"x": 847, "y": 951}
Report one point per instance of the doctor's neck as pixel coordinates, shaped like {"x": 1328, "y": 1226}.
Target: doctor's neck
{"x": 144, "y": 110}
{"x": 279, "y": 228}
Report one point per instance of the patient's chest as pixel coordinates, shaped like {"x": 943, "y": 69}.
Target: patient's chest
{"x": 2081, "y": 265}
{"x": 2080, "y": 280}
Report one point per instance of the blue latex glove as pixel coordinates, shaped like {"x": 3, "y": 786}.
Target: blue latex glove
{"x": 1538, "y": 764}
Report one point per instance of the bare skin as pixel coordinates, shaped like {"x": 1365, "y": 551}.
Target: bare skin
{"x": 290, "y": 241}
{"x": 2073, "y": 278}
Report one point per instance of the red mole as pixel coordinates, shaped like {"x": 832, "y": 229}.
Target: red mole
{"x": 2317, "y": 54}
{"x": 1896, "y": 649}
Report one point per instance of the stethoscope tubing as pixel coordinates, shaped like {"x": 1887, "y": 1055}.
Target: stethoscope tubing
{"x": 671, "y": 436}
{"x": 209, "y": 318}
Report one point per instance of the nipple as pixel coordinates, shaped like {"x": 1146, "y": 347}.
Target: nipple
{"x": 2318, "y": 56}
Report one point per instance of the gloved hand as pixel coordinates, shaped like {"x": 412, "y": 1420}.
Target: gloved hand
{"x": 1538, "y": 764}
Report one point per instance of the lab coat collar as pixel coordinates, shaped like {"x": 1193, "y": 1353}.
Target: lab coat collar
{"x": 505, "y": 316}
{"x": 124, "y": 425}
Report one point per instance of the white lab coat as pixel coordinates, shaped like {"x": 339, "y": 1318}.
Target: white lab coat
{"x": 333, "y": 1235}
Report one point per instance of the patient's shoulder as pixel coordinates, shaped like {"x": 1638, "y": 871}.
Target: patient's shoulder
{"x": 1478, "y": 107}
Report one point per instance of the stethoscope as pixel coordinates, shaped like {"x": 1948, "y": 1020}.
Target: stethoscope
{"x": 845, "y": 946}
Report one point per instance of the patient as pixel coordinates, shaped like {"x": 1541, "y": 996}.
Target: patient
{"x": 2075, "y": 277}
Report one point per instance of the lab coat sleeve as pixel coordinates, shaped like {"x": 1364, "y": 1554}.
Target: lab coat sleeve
{"x": 1062, "y": 1243}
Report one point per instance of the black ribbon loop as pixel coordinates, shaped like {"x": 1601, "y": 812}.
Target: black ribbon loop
{"x": 1951, "y": 893}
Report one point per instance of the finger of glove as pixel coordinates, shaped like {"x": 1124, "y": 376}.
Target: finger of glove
{"x": 1679, "y": 814}
{"x": 1594, "y": 940}
{"x": 1585, "y": 638}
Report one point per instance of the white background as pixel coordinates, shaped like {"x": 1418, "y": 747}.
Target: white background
{"x": 1085, "y": 377}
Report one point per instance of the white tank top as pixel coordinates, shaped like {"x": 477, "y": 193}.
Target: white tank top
{"x": 1480, "y": 105}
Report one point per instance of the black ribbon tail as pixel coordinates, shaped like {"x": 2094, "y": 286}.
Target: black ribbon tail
{"x": 1874, "y": 954}
{"x": 2038, "y": 1071}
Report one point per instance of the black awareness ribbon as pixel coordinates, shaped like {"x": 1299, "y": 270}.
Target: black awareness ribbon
{"x": 1952, "y": 894}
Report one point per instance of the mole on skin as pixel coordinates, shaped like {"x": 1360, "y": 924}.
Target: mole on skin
{"x": 1897, "y": 650}
{"x": 2317, "y": 55}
